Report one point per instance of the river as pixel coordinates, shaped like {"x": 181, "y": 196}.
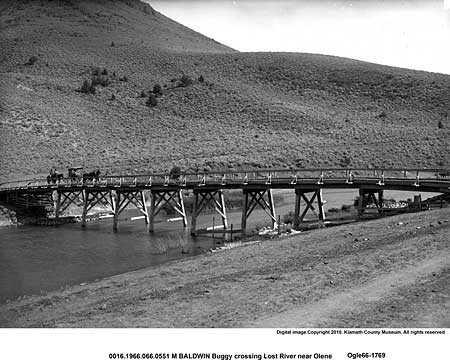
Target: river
{"x": 35, "y": 259}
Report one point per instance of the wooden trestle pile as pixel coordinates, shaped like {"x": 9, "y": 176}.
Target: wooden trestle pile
{"x": 171, "y": 199}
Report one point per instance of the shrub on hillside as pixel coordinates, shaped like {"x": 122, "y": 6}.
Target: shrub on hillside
{"x": 440, "y": 124}
{"x": 201, "y": 79}
{"x": 175, "y": 172}
{"x": 87, "y": 87}
{"x": 157, "y": 89}
{"x": 152, "y": 101}
{"x": 147, "y": 9}
{"x": 96, "y": 71}
{"x": 32, "y": 60}
{"x": 102, "y": 80}
{"x": 345, "y": 161}
{"x": 143, "y": 94}
{"x": 185, "y": 80}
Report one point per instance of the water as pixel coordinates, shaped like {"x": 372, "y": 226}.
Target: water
{"x": 37, "y": 259}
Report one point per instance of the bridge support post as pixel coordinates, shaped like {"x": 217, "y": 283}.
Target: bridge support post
{"x": 65, "y": 198}
{"x": 92, "y": 198}
{"x": 204, "y": 197}
{"x": 253, "y": 198}
{"x": 370, "y": 196}
{"x": 316, "y": 196}
{"x": 125, "y": 198}
{"x": 173, "y": 199}
{"x": 58, "y": 204}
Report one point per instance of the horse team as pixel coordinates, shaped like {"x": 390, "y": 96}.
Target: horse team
{"x": 55, "y": 176}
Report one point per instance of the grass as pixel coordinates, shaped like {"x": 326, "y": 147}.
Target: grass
{"x": 249, "y": 110}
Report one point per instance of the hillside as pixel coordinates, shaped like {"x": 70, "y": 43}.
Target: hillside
{"x": 252, "y": 109}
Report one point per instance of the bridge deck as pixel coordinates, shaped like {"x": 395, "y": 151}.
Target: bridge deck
{"x": 425, "y": 185}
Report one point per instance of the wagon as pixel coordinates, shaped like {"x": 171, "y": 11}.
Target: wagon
{"x": 74, "y": 173}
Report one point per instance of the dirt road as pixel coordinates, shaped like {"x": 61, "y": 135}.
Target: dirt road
{"x": 392, "y": 272}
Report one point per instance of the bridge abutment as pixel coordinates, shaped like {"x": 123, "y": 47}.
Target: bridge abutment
{"x": 31, "y": 204}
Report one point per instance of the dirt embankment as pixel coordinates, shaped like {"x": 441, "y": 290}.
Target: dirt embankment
{"x": 390, "y": 272}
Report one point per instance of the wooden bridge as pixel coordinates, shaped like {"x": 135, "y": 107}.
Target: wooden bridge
{"x": 118, "y": 193}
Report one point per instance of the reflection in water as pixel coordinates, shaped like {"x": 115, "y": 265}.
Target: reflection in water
{"x": 408, "y": 34}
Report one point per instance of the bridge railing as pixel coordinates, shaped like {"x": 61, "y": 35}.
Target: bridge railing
{"x": 270, "y": 175}
{"x": 237, "y": 176}
{"x": 23, "y": 184}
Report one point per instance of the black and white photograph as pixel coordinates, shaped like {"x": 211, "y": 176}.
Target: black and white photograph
{"x": 230, "y": 164}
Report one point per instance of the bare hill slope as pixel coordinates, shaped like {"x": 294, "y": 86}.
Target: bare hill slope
{"x": 231, "y": 109}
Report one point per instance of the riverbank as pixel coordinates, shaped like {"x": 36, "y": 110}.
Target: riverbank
{"x": 391, "y": 272}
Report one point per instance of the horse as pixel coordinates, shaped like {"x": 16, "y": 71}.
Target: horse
{"x": 91, "y": 176}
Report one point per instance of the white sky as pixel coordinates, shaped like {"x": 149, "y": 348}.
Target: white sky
{"x": 411, "y": 34}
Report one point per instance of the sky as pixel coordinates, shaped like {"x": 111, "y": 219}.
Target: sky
{"x": 411, "y": 34}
